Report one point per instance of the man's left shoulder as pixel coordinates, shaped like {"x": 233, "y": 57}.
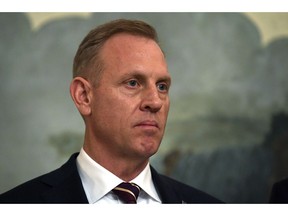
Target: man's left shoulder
{"x": 183, "y": 193}
{"x": 192, "y": 194}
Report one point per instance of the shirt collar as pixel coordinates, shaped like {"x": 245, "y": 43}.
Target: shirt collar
{"x": 144, "y": 180}
{"x": 98, "y": 181}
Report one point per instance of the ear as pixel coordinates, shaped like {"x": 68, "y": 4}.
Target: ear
{"x": 81, "y": 93}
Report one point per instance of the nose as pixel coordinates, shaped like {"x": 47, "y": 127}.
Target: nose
{"x": 151, "y": 100}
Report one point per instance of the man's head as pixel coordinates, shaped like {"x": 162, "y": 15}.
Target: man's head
{"x": 125, "y": 113}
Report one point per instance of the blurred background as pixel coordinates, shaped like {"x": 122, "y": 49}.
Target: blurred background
{"x": 227, "y": 133}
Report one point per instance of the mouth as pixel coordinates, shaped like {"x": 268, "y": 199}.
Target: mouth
{"x": 148, "y": 124}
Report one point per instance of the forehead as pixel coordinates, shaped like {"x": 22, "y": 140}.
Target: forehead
{"x": 129, "y": 52}
{"x": 124, "y": 44}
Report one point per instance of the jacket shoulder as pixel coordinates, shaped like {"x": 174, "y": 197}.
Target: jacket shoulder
{"x": 52, "y": 187}
{"x": 174, "y": 191}
{"x": 28, "y": 192}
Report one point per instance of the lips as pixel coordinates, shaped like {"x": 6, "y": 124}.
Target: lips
{"x": 148, "y": 124}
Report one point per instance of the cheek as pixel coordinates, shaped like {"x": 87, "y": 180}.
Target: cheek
{"x": 114, "y": 110}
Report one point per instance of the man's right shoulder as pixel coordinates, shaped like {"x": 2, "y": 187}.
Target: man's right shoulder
{"x": 34, "y": 191}
{"x": 28, "y": 192}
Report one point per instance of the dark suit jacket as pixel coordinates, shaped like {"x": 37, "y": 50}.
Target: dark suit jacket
{"x": 64, "y": 186}
{"x": 279, "y": 193}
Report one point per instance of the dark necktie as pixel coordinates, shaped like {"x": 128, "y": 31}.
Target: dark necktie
{"x": 127, "y": 192}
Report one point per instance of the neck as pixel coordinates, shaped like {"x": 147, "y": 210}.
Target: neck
{"x": 123, "y": 167}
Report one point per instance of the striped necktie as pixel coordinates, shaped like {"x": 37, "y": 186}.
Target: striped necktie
{"x": 127, "y": 192}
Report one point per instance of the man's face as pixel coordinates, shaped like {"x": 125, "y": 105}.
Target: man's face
{"x": 131, "y": 103}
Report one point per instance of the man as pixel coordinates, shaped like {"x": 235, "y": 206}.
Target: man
{"x": 120, "y": 87}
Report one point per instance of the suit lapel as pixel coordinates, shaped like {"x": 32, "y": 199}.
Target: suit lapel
{"x": 65, "y": 184}
{"x": 165, "y": 189}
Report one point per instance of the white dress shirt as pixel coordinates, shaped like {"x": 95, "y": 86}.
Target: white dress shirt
{"x": 98, "y": 182}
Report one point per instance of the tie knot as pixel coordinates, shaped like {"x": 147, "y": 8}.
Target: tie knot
{"x": 127, "y": 192}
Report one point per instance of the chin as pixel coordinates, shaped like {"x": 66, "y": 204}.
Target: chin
{"x": 149, "y": 148}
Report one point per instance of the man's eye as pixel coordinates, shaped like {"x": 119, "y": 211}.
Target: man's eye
{"x": 162, "y": 87}
{"x": 132, "y": 83}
